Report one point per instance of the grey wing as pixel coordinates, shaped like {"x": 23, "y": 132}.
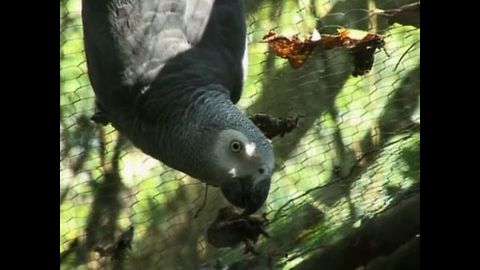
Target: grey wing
{"x": 127, "y": 42}
{"x": 153, "y": 32}
{"x": 197, "y": 14}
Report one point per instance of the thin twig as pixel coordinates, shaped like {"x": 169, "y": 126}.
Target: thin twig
{"x": 405, "y": 53}
{"x": 203, "y": 203}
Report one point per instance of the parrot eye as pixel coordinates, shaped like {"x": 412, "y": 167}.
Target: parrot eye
{"x": 235, "y": 146}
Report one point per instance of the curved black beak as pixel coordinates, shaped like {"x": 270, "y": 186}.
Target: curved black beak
{"x": 247, "y": 193}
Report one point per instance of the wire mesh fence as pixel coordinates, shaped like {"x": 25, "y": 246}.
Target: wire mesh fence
{"x": 354, "y": 154}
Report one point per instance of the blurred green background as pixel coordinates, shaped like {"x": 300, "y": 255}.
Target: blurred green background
{"x": 354, "y": 155}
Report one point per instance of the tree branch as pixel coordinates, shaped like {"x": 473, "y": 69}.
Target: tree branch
{"x": 380, "y": 236}
{"x": 406, "y": 257}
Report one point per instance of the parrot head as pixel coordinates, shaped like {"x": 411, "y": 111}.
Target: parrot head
{"x": 245, "y": 163}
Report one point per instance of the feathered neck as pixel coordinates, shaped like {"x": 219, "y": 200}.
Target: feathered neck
{"x": 181, "y": 132}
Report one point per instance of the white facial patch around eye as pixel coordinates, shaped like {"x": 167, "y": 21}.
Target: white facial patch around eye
{"x": 250, "y": 149}
{"x": 233, "y": 172}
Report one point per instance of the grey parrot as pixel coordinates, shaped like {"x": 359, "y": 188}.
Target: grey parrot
{"x": 167, "y": 74}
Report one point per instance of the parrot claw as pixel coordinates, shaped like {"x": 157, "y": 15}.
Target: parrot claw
{"x": 99, "y": 116}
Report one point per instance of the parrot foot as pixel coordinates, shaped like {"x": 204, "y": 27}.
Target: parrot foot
{"x": 99, "y": 116}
